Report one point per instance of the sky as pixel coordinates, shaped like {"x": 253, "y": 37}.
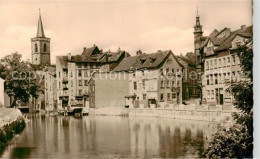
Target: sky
{"x": 147, "y": 25}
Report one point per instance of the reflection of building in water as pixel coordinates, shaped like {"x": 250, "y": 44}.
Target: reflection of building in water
{"x": 163, "y": 137}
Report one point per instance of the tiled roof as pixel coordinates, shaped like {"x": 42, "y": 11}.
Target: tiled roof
{"x": 215, "y": 41}
{"x": 126, "y": 64}
{"x": 186, "y": 60}
{"x": 144, "y": 61}
{"x": 63, "y": 60}
{"x": 88, "y": 51}
{"x": 111, "y": 56}
{"x": 228, "y": 41}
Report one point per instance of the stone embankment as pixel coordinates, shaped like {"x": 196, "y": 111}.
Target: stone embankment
{"x": 11, "y": 123}
{"x": 177, "y": 113}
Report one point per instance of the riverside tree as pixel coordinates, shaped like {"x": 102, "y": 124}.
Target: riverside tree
{"x": 21, "y": 81}
{"x": 237, "y": 141}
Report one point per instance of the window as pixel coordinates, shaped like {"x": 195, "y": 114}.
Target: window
{"x": 208, "y": 94}
{"x": 234, "y": 60}
{"x": 134, "y": 75}
{"x": 207, "y": 80}
{"x": 161, "y": 97}
{"x": 211, "y": 64}
{"x": 173, "y": 83}
{"x": 211, "y": 79}
{"x": 224, "y": 62}
{"x": 135, "y": 86}
{"x": 59, "y": 85}
{"x": 71, "y": 84}
{"x": 212, "y": 94}
{"x": 168, "y": 97}
{"x": 225, "y": 76}
{"x": 35, "y": 59}
{"x": 228, "y": 61}
{"x": 162, "y": 85}
{"x": 79, "y": 73}
{"x": 167, "y": 71}
{"x": 178, "y": 83}
{"x": 35, "y": 47}
{"x": 86, "y": 82}
{"x": 44, "y": 48}
{"x": 80, "y": 92}
{"x": 216, "y": 78}
{"x": 80, "y": 82}
{"x": 178, "y": 70}
{"x": 207, "y": 65}
{"x": 227, "y": 93}
{"x": 161, "y": 71}
{"x": 143, "y": 81}
{"x": 85, "y": 73}
{"x": 173, "y": 95}
{"x": 215, "y": 63}
{"x": 173, "y": 71}
{"x": 168, "y": 84}
{"x": 220, "y": 79}
{"x": 144, "y": 96}
{"x": 91, "y": 65}
{"x": 219, "y": 62}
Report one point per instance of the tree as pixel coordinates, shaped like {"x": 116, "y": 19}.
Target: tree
{"x": 21, "y": 81}
{"x": 237, "y": 141}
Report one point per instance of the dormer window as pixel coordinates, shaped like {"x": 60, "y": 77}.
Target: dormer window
{"x": 152, "y": 60}
{"x": 142, "y": 61}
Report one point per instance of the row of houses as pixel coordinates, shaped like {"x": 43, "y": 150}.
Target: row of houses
{"x": 221, "y": 65}
{"x": 96, "y": 78}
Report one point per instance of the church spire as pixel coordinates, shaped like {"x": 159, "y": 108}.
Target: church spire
{"x": 40, "y": 31}
{"x": 197, "y": 17}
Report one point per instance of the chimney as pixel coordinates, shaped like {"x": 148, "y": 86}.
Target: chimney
{"x": 94, "y": 45}
{"x": 118, "y": 50}
{"x": 84, "y": 48}
{"x": 159, "y": 51}
{"x": 243, "y": 27}
{"x": 69, "y": 56}
{"x": 139, "y": 52}
{"x": 106, "y": 58}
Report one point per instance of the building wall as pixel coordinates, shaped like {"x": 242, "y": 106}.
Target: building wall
{"x": 220, "y": 71}
{"x": 149, "y": 86}
{"x": 111, "y": 89}
{"x": 2, "y": 98}
{"x": 50, "y": 91}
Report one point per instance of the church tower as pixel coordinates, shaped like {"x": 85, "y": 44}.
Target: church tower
{"x": 40, "y": 46}
{"x": 198, "y": 33}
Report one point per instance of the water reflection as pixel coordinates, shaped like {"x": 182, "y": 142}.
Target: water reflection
{"x": 107, "y": 136}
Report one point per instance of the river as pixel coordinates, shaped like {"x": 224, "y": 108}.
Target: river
{"x": 47, "y": 136}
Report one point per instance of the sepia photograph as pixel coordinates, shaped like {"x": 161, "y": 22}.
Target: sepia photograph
{"x": 127, "y": 79}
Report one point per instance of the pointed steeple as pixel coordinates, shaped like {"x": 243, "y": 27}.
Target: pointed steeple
{"x": 40, "y": 31}
{"x": 197, "y": 17}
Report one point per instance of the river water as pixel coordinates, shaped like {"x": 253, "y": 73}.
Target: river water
{"x": 47, "y": 136}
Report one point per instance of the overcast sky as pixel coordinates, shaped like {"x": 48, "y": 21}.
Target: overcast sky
{"x": 149, "y": 25}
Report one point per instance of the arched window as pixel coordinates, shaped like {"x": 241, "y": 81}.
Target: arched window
{"x": 36, "y": 48}
{"x": 44, "y": 48}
